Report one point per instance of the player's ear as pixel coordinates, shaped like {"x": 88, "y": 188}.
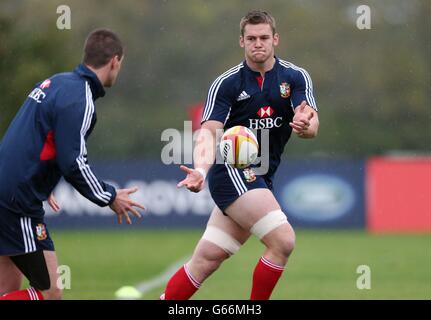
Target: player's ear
{"x": 241, "y": 41}
{"x": 276, "y": 39}
{"x": 114, "y": 63}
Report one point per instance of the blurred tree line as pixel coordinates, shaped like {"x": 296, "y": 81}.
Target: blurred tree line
{"x": 371, "y": 86}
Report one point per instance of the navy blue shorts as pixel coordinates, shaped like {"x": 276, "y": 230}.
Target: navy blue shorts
{"x": 227, "y": 184}
{"x": 20, "y": 234}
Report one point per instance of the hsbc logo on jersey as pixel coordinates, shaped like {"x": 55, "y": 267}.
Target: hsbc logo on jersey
{"x": 264, "y": 112}
{"x": 265, "y": 121}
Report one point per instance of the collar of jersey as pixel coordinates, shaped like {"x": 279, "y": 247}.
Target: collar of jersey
{"x": 95, "y": 85}
{"x": 257, "y": 73}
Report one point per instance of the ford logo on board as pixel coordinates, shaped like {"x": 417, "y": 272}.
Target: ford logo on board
{"x": 318, "y": 198}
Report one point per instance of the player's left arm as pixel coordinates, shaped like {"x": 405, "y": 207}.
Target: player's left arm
{"x": 305, "y": 122}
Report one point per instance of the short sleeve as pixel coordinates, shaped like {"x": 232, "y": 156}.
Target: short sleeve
{"x": 303, "y": 89}
{"x": 220, "y": 97}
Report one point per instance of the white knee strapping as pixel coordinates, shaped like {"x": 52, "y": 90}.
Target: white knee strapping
{"x": 221, "y": 239}
{"x": 268, "y": 223}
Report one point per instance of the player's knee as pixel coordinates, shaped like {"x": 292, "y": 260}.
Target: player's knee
{"x": 214, "y": 254}
{"x": 285, "y": 244}
{"x": 206, "y": 259}
{"x": 222, "y": 246}
{"x": 210, "y": 262}
{"x": 271, "y": 221}
{"x": 274, "y": 230}
{"x": 222, "y": 240}
{"x": 281, "y": 241}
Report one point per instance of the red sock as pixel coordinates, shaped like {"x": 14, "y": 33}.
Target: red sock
{"x": 28, "y": 294}
{"x": 265, "y": 277}
{"x": 181, "y": 286}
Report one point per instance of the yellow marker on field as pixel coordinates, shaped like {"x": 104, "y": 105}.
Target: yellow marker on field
{"x": 128, "y": 293}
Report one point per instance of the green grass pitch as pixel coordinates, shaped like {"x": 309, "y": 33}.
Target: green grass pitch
{"x": 323, "y": 265}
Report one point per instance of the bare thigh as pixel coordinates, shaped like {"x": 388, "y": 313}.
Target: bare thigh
{"x": 228, "y": 225}
{"x": 251, "y": 207}
{"x": 10, "y": 276}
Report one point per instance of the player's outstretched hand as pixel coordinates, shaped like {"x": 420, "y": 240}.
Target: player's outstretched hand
{"x": 53, "y": 203}
{"x": 122, "y": 205}
{"x": 301, "y": 119}
{"x": 194, "y": 180}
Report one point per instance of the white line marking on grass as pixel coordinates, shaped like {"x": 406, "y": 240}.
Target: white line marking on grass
{"x": 146, "y": 286}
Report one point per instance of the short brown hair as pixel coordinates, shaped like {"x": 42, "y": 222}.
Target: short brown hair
{"x": 257, "y": 17}
{"x": 101, "y": 46}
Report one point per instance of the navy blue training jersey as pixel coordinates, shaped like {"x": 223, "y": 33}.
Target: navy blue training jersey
{"x": 47, "y": 140}
{"x": 240, "y": 96}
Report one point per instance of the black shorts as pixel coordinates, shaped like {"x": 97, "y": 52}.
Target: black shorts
{"x": 226, "y": 184}
{"x": 20, "y": 234}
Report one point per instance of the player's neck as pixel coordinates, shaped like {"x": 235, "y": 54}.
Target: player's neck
{"x": 101, "y": 73}
{"x": 263, "y": 67}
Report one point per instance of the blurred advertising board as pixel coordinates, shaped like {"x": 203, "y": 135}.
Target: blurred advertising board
{"x": 322, "y": 193}
{"x": 313, "y": 193}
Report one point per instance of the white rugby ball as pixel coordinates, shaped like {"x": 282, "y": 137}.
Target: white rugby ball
{"x": 239, "y": 147}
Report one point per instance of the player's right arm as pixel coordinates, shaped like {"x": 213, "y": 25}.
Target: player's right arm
{"x": 203, "y": 156}
{"x": 221, "y": 96}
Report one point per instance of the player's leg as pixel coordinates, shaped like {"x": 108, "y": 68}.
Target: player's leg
{"x": 27, "y": 244}
{"x": 54, "y": 292}
{"x": 221, "y": 239}
{"x": 257, "y": 210}
{"x": 10, "y": 276}
{"x": 40, "y": 268}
